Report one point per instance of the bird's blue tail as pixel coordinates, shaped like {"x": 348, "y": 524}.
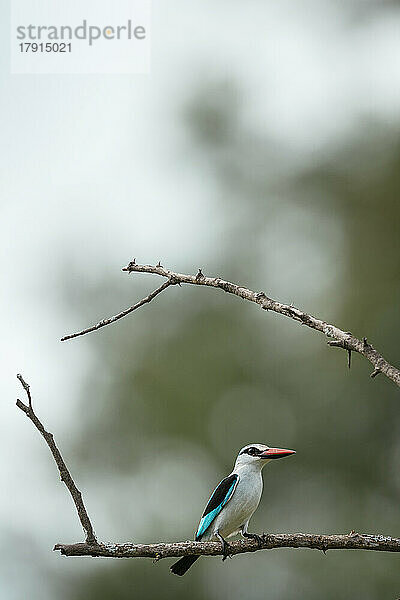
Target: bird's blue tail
{"x": 180, "y": 567}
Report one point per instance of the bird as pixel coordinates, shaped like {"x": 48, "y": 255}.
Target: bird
{"x": 233, "y": 502}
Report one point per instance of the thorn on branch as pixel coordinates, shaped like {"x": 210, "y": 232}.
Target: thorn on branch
{"x": 375, "y": 372}
{"x": 130, "y": 266}
{"x": 199, "y": 275}
{"x": 159, "y": 265}
{"x": 342, "y": 344}
{"x": 353, "y": 533}
{"x": 261, "y": 297}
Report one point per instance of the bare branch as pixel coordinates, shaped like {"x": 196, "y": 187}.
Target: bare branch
{"x": 339, "y": 338}
{"x": 123, "y": 313}
{"x": 64, "y": 472}
{"x": 352, "y": 541}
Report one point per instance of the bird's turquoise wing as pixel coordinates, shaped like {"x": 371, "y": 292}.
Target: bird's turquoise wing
{"x": 220, "y": 496}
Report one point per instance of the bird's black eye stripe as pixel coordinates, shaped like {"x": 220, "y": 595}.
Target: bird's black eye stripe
{"x": 252, "y": 451}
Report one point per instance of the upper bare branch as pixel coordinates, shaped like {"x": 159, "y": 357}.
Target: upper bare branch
{"x": 62, "y": 467}
{"x": 338, "y": 337}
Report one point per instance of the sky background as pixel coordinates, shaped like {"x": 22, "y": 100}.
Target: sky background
{"x": 263, "y": 147}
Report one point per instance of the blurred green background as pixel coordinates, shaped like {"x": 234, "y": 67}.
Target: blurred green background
{"x": 176, "y": 389}
{"x": 151, "y": 411}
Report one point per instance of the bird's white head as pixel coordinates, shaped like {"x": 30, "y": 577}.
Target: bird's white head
{"x": 260, "y": 454}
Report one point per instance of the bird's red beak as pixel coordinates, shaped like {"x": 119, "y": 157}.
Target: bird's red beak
{"x": 276, "y": 453}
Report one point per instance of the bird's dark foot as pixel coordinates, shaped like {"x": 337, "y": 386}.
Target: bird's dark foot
{"x": 254, "y": 536}
{"x": 225, "y": 550}
{"x": 225, "y": 547}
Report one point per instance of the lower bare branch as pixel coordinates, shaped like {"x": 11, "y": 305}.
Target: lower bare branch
{"x": 62, "y": 467}
{"x": 352, "y": 541}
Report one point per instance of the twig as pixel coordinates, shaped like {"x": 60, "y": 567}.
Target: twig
{"x": 64, "y": 472}
{"x": 352, "y": 541}
{"x": 340, "y": 338}
{"x": 123, "y": 313}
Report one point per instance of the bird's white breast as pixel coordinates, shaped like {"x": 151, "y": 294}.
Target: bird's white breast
{"x": 241, "y": 506}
